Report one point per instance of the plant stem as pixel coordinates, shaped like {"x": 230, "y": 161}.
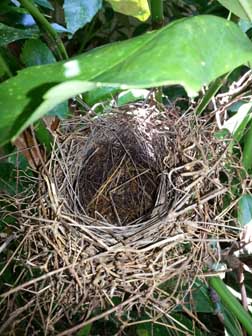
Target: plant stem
{"x": 5, "y": 66}
{"x": 45, "y": 25}
{"x": 157, "y": 19}
{"x": 157, "y": 13}
{"x": 232, "y": 303}
{"x": 247, "y": 150}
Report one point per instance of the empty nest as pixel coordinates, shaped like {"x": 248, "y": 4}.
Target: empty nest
{"x": 126, "y": 204}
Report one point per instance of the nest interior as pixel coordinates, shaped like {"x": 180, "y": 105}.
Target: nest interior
{"x": 122, "y": 163}
{"x": 126, "y": 203}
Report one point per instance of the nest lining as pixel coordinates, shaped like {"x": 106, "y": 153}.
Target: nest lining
{"x": 84, "y": 249}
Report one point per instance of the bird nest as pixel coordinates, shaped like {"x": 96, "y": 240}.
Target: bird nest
{"x": 128, "y": 211}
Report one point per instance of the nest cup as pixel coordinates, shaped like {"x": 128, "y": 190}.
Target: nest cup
{"x": 122, "y": 163}
{"x": 127, "y": 206}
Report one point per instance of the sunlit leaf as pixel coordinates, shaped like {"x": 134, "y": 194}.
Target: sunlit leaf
{"x": 175, "y": 54}
{"x": 237, "y": 123}
{"x": 80, "y": 12}
{"x": 59, "y": 28}
{"x": 241, "y": 8}
{"x": 137, "y": 8}
{"x": 52, "y": 98}
{"x": 245, "y": 25}
{"x": 35, "y": 52}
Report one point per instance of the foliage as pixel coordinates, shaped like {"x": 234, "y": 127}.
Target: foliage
{"x": 79, "y": 12}
{"x": 125, "y": 65}
{"x": 241, "y": 8}
{"x": 245, "y": 210}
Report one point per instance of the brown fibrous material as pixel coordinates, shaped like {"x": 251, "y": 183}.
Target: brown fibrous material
{"x": 126, "y": 203}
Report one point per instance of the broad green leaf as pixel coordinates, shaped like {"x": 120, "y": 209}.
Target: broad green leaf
{"x": 35, "y": 52}
{"x": 52, "y": 98}
{"x": 44, "y": 3}
{"x": 245, "y": 210}
{"x": 80, "y": 12}
{"x": 9, "y": 34}
{"x": 175, "y": 54}
{"x": 237, "y": 123}
{"x": 241, "y": 8}
{"x": 137, "y": 8}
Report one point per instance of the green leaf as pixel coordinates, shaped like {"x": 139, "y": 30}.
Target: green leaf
{"x": 237, "y": 123}
{"x": 201, "y": 300}
{"x": 7, "y": 177}
{"x": 172, "y": 55}
{"x": 241, "y": 8}
{"x": 9, "y": 34}
{"x": 43, "y": 135}
{"x": 35, "y": 52}
{"x": 100, "y": 94}
{"x": 198, "y": 299}
{"x": 150, "y": 328}
{"x": 245, "y": 210}
{"x": 245, "y": 25}
{"x": 212, "y": 90}
{"x": 52, "y": 98}
{"x": 142, "y": 330}
{"x": 61, "y": 110}
{"x": 85, "y": 330}
{"x": 232, "y": 325}
{"x": 231, "y": 303}
{"x": 10, "y": 182}
{"x": 80, "y": 12}
{"x": 185, "y": 324}
{"x": 137, "y": 8}
{"x": 247, "y": 149}
{"x": 132, "y": 95}
{"x": 44, "y": 3}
